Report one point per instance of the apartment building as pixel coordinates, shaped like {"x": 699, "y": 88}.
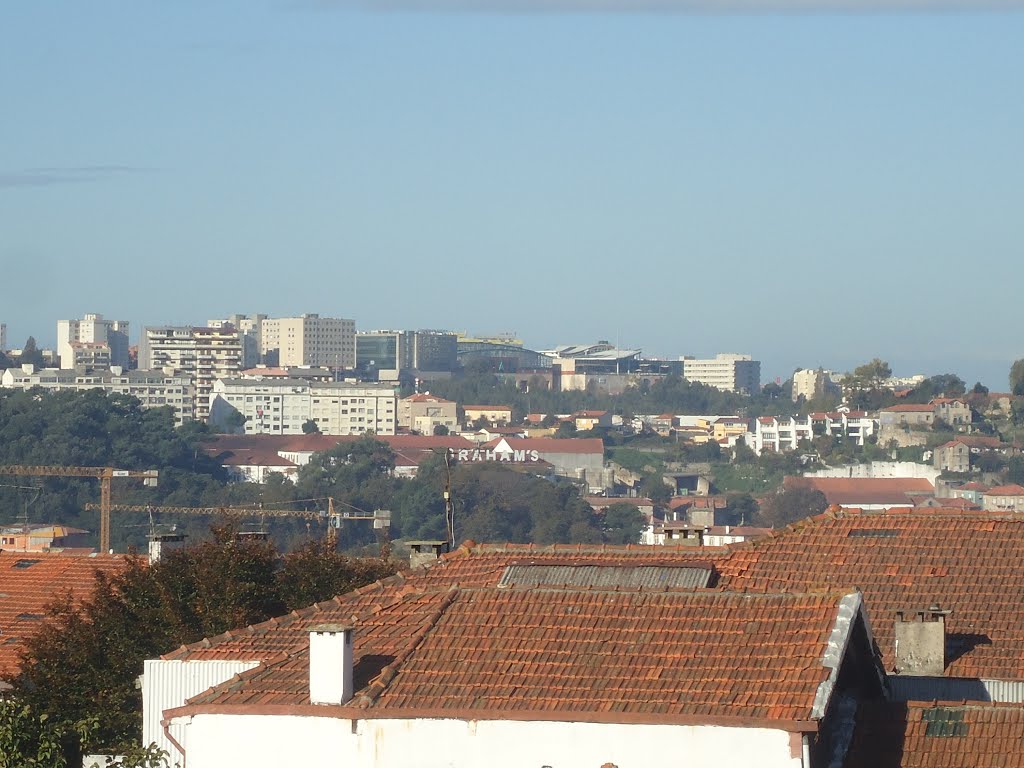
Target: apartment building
{"x": 153, "y": 389}
{"x": 88, "y": 354}
{"x": 775, "y": 434}
{"x": 3, "y": 337}
{"x": 205, "y": 354}
{"x": 274, "y": 406}
{"x": 92, "y": 329}
{"x": 309, "y": 340}
{"x": 811, "y": 384}
{"x": 424, "y": 412}
{"x": 727, "y": 372}
{"x": 250, "y": 327}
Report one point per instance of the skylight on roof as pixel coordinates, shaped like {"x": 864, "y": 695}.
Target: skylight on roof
{"x": 26, "y": 563}
{"x": 944, "y": 722}
{"x": 873, "y": 533}
{"x": 650, "y": 576}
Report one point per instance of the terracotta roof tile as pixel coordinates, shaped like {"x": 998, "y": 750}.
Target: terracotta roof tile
{"x": 853, "y": 491}
{"x": 30, "y": 582}
{"x": 907, "y": 559}
{"x": 937, "y": 735}
{"x": 652, "y": 655}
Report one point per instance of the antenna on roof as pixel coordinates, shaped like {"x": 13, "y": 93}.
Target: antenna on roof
{"x": 449, "y": 507}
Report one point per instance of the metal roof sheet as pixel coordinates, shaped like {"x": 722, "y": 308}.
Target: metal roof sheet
{"x": 657, "y": 576}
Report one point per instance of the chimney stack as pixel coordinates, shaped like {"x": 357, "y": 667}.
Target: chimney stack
{"x": 162, "y": 543}
{"x": 921, "y": 641}
{"x": 330, "y": 664}
{"x": 425, "y": 552}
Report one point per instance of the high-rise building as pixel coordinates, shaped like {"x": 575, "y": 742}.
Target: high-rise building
{"x": 394, "y": 354}
{"x": 309, "y": 340}
{"x": 727, "y": 372}
{"x": 251, "y": 329}
{"x": 92, "y": 329}
{"x": 3, "y": 337}
{"x": 205, "y": 354}
{"x": 812, "y": 384}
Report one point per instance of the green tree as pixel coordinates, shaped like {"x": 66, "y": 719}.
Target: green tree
{"x": 873, "y": 374}
{"x": 31, "y": 354}
{"x": 440, "y": 430}
{"x": 310, "y": 427}
{"x": 316, "y": 572}
{"x": 653, "y": 487}
{"x": 792, "y": 502}
{"x": 1017, "y": 377}
{"x": 742, "y": 508}
{"x": 623, "y": 523}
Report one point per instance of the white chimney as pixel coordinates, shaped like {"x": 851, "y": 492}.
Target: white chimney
{"x": 330, "y": 664}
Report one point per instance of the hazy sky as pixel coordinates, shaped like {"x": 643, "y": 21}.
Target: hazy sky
{"x": 810, "y": 188}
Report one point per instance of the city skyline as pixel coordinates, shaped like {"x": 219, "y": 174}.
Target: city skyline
{"x": 811, "y": 189}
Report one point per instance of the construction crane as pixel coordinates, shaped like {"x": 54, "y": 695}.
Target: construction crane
{"x": 104, "y": 474}
{"x": 381, "y": 517}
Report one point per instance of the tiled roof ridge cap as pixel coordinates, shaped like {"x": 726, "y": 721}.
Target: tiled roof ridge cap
{"x": 337, "y": 601}
{"x": 383, "y": 680}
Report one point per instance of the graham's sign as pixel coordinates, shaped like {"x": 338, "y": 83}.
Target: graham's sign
{"x": 500, "y": 452}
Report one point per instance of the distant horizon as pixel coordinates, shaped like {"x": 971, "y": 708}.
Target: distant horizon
{"x": 806, "y": 185}
{"x": 771, "y": 371}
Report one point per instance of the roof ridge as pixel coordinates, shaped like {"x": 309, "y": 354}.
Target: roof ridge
{"x": 383, "y": 680}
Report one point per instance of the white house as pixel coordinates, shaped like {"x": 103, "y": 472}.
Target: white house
{"x": 427, "y": 670}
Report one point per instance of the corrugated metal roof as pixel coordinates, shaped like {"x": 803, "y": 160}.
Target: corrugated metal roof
{"x": 658, "y": 576}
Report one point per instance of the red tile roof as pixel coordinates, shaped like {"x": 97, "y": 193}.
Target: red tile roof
{"x": 425, "y": 397}
{"x": 584, "y": 655}
{"x": 907, "y": 559}
{"x": 30, "y": 581}
{"x": 934, "y": 735}
{"x": 856, "y": 491}
{"x": 1005, "y": 490}
{"x": 909, "y": 408}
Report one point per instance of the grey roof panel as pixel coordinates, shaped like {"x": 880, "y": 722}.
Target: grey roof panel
{"x": 650, "y": 576}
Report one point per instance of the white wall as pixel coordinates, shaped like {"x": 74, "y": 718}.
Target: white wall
{"x": 215, "y": 741}
{"x": 168, "y": 684}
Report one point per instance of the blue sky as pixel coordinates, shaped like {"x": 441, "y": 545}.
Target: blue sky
{"x": 811, "y": 188}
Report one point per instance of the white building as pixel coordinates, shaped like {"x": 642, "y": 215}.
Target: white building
{"x": 250, "y": 328}
{"x": 727, "y": 372}
{"x": 448, "y": 668}
{"x": 812, "y": 383}
{"x": 92, "y": 329}
{"x": 309, "y": 340}
{"x": 153, "y": 389}
{"x": 205, "y": 354}
{"x": 276, "y": 406}
{"x": 774, "y": 434}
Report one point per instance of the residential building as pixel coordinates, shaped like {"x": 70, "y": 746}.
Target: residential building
{"x": 587, "y": 420}
{"x": 88, "y": 355}
{"x": 153, "y": 389}
{"x": 275, "y": 406}
{"x": 728, "y": 429}
{"x": 1004, "y": 498}
{"x": 774, "y": 434}
{"x": 205, "y": 354}
{"x": 727, "y": 372}
{"x": 954, "y": 411}
{"x": 973, "y": 492}
{"x": 907, "y": 414}
{"x": 578, "y": 458}
{"x": 250, "y": 328}
{"x": 953, "y": 456}
{"x": 475, "y": 657}
{"x": 3, "y": 337}
{"x": 425, "y": 412}
{"x": 93, "y": 329}
{"x": 42, "y": 538}
{"x": 309, "y": 340}
{"x": 496, "y": 415}
{"x": 812, "y": 384}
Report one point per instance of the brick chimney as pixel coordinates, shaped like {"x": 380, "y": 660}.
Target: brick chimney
{"x": 921, "y": 641}
{"x": 330, "y": 664}
{"x": 425, "y": 552}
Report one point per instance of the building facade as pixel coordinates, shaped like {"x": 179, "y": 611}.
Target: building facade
{"x": 283, "y": 406}
{"x": 309, "y": 340}
{"x": 727, "y": 372}
{"x": 92, "y": 329}
{"x": 425, "y": 412}
{"x": 153, "y": 389}
{"x": 250, "y": 328}
{"x": 204, "y": 354}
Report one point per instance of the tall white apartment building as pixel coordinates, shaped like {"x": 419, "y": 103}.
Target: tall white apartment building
{"x": 250, "y": 327}
{"x": 205, "y": 354}
{"x": 154, "y": 389}
{"x": 283, "y": 406}
{"x": 811, "y": 383}
{"x": 309, "y": 340}
{"x": 92, "y": 329}
{"x": 727, "y": 372}
{"x": 774, "y": 434}
{"x": 3, "y": 337}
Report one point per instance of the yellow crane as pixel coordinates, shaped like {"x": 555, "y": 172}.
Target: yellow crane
{"x": 381, "y": 517}
{"x": 104, "y": 474}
